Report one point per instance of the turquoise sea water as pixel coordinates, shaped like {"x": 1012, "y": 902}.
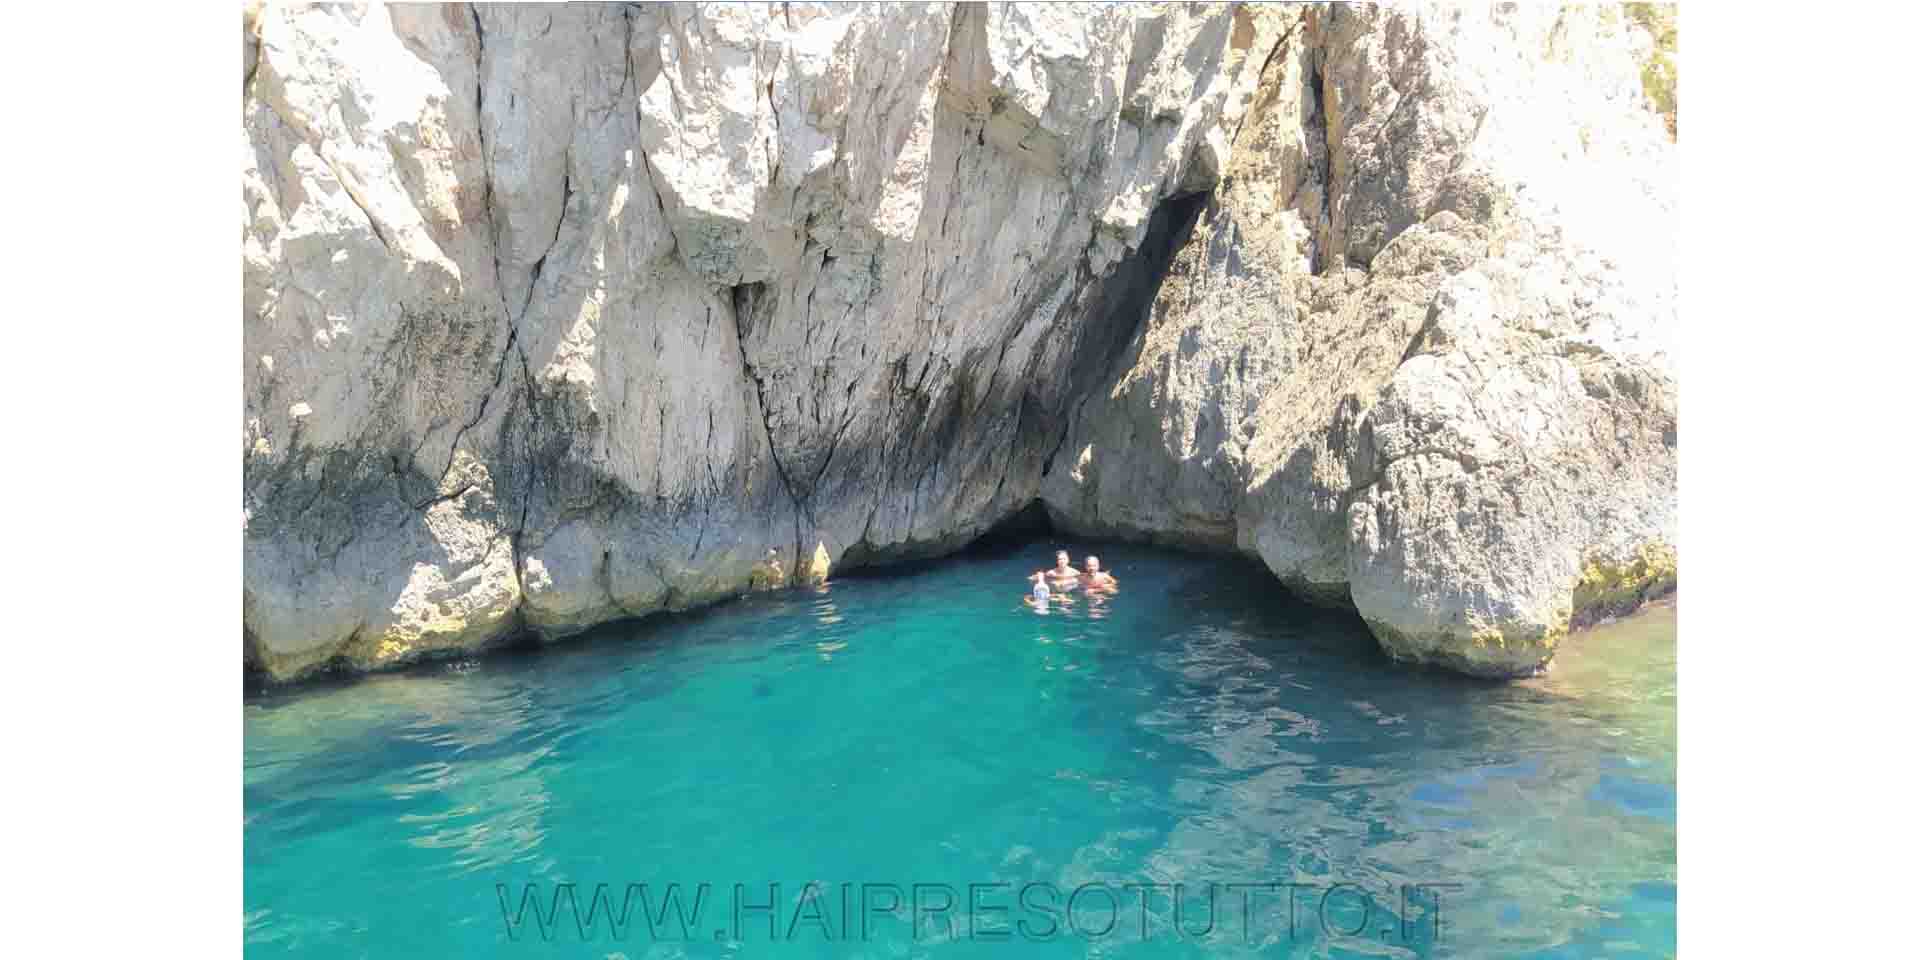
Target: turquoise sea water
{"x": 1055, "y": 782}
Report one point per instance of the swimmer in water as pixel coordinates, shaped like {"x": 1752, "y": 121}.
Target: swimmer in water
{"x": 1098, "y": 580}
{"x": 1063, "y": 576}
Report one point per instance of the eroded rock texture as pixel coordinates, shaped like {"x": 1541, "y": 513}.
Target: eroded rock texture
{"x": 561, "y": 313}
{"x": 1415, "y": 352}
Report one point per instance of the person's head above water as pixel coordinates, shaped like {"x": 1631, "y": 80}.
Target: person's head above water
{"x": 1061, "y": 559}
{"x": 1093, "y": 563}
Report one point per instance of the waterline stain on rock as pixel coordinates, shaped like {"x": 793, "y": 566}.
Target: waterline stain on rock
{"x": 1615, "y": 589}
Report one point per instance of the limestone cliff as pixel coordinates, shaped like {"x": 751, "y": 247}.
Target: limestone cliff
{"x": 561, "y": 313}
{"x": 1415, "y": 354}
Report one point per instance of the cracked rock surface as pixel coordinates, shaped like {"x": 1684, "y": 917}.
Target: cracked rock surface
{"x": 1414, "y": 355}
{"x": 561, "y": 313}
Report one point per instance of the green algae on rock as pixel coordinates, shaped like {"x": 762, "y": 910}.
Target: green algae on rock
{"x": 1612, "y": 589}
{"x": 1490, "y": 653}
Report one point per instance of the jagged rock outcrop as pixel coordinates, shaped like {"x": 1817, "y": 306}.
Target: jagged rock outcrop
{"x": 561, "y": 313}
{"x": 1414, "y": 354}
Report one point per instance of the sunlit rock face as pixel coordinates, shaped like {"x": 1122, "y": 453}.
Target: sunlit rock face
{"x": 1415, "y": 353}
{"x": 556, "y": 314}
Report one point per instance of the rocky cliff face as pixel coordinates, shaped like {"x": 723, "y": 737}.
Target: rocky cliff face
{"x": 1415, "y": 354}
{"x": 556, "y": 314}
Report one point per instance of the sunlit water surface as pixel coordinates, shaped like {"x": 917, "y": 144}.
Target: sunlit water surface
{"x": 923, "y": 733}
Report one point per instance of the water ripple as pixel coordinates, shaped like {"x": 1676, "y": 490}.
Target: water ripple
{"x": 917, "y": 727}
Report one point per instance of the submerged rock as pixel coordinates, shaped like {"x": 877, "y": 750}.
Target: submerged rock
{"x": 557, "y": 314}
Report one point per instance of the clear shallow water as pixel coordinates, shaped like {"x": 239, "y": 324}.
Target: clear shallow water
{"x": 924, "y": 734}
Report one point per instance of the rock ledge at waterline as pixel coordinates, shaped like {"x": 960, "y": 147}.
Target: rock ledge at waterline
{"x": 559, "y": 314}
